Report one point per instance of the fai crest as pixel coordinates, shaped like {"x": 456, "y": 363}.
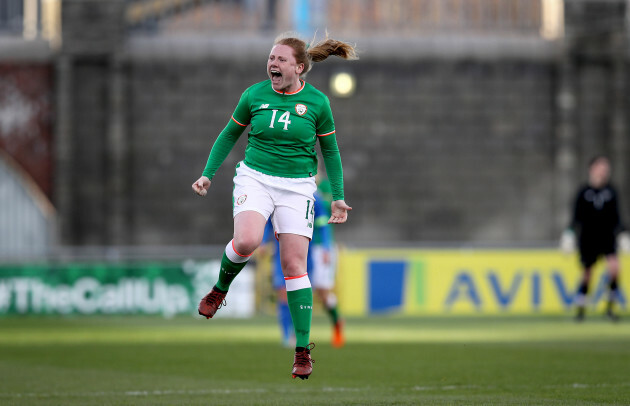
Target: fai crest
{"x": 241, "y": 199}
{"x": 300, "y": 109}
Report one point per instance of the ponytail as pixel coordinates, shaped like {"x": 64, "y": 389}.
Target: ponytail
{"x": 316, "y": 52}
{"x": 328, "y": 46}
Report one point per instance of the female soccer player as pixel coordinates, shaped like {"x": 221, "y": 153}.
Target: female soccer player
{"x": 277, "y": 177}
{"x": 596, "y": 220}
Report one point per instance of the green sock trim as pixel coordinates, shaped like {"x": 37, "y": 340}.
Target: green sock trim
{"x": 228, "y": 272}
{"x": 334, "y": 314}
{"x": 301, "y": 308}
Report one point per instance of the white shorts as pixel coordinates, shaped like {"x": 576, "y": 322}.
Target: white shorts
{"x": 288, "y": 201}
{"x": 323, "y": 274}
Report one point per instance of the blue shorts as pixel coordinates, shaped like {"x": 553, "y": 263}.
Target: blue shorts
{"x": 277, "y": 278}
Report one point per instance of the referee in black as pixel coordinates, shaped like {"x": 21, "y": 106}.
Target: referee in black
{"x": 597, "y": 224}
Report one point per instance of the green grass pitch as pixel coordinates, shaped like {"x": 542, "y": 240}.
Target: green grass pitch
{"x": 387, "y": 361}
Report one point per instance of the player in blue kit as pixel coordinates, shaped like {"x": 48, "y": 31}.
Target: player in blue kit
{"x": 322, "y": 261}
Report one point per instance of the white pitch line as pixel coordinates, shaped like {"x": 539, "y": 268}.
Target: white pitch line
{"x": 331, "y": 389}
{"x": 328, "y": 389}
{"x": 577, "y": 385}
{"x": 450, "y": 387}
{"x": 136, "y": 393}
{"x": 566, "y": 386}
{"x": 167, "y": 392}
{"x": 193, "y": 392}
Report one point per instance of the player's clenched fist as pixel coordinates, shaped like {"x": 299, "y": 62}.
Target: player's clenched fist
{"x": 201, "y": 186}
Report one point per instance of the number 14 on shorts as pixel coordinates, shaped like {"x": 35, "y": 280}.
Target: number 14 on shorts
{"x": 310, "y": 212}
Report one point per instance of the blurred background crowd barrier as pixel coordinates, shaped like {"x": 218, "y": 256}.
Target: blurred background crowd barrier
{"x": 466, "y": 123}
{"x": 410, "y": 282}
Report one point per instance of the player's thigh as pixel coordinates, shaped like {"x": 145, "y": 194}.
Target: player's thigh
{"x": 252, "y": 206}
{"x": 293, "y": 214}
{"x": 251, "y": 193}
{"x": 589, "y": 253}
{"x": 249, "y": 227}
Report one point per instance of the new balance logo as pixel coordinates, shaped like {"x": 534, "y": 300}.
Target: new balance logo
{"x": 264, "y": 106}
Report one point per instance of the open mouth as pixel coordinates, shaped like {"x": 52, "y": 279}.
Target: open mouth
{"x": 275, "y": 74}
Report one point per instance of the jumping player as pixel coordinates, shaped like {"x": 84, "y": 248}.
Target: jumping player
{"x": 277, "y": 177}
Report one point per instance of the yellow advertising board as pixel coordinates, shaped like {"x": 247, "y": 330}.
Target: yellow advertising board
{"x": 416, "y": 282}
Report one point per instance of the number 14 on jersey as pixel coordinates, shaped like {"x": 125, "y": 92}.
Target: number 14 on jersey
{"x": 284, "y": 118}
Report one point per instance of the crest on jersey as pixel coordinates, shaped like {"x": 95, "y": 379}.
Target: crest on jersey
{"x": 300, "y": 109}
{"x": 241, "y": 199}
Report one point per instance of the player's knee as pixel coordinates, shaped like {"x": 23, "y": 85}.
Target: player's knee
{"x": 246, "y": 244}
{"x": 293, "y": 267}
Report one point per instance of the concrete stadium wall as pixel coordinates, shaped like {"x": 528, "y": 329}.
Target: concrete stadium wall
{"x": 446, "y": 139}
{"x": 435, "y": 148}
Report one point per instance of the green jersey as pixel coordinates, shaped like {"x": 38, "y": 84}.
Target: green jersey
{"x": 284, "y": 130}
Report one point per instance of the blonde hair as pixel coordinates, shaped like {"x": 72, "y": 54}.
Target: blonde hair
{"x": 317, "y": 51}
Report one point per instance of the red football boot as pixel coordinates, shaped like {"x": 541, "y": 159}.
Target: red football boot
{"x": 302, "y": 363}
{"x": 212, "y": 302}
